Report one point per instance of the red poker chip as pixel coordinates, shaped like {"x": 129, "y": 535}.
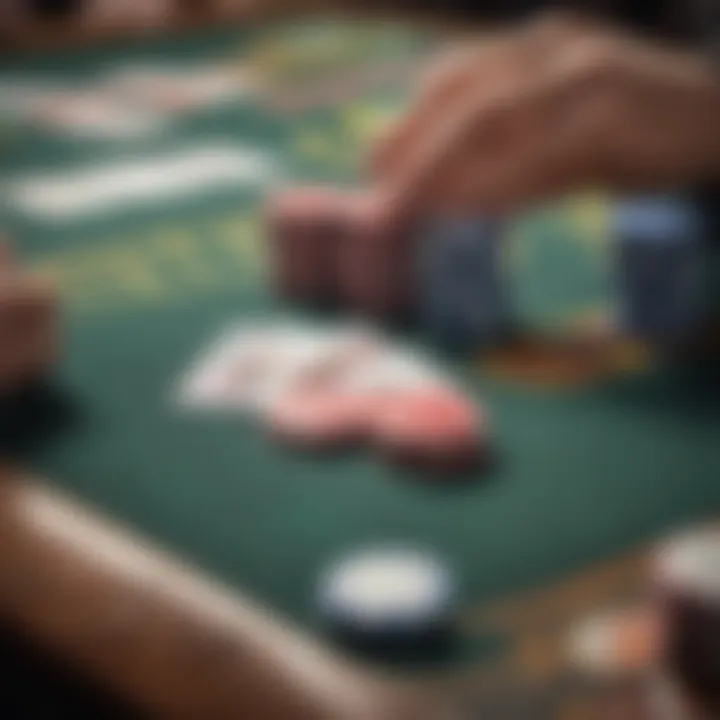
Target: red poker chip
{"x": 433, "y": 429}
{"x": 322, "y": 419}
{"x": 376, "y": 259}
{"x": 305, "y": 226}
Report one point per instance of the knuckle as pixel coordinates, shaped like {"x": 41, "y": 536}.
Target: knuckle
{"x": 561, "y": 24}
{"x": 595, "y": 63}
{"x": 445, "y": 69}
{"x": 502, "y": 110}
{"x": 487, "y": 118}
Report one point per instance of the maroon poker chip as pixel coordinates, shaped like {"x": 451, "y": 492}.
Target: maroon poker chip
{"x": 377, "y": 275}
{"x": 432, "y": 429}
{"x": 305, "y": 225}
{"x": 687, "y": 578}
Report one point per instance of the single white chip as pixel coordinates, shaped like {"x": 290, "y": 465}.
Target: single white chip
{"x": 690, "y": 563}
{"x": 394, "y": 585}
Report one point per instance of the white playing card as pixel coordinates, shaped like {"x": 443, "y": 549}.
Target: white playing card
{"x": 92, "y": 114}
{"x": 247, "y": 366}
{"x": 177, "y": 90}
{"x": 251, "y": 367}
{"x": 93, "y": 189}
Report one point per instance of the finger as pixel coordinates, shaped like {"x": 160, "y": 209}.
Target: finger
{"x": 470, "y": 70}
{"x": 565, "y": 130}
{"x": 558, "y": 151}
{"x": 483, "y": 126}
{"x": 436, "y": 143}
{"x": 446, "y": 83}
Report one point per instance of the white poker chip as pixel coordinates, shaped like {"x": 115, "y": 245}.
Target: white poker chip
{"x": 690, "y": 564}
{"x": 393, "y": 589}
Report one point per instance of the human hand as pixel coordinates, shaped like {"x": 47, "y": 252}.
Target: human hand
{"x": 556, "y": 106}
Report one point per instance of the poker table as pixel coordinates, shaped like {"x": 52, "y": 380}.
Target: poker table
{"x": 174, "y": 553}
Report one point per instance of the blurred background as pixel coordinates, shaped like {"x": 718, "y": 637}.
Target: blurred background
{"x": 217, "y": 121}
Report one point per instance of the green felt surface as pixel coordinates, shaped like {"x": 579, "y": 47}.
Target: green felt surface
{"x": 582, "y": 475}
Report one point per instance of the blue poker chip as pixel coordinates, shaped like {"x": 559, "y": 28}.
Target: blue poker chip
{"x": 463, "y": 299}
{"x": 657, "y": 219}
{"x": 382, "y": 596}
{"x": 660, "y": 268}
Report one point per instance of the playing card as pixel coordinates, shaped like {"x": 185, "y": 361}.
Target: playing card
{"x": 251, "y": 366}
{"x": 248, "y": 366}
{"x": 176, "y": 90}
{"x": 237, "y": 369}
{"x": 95, "y": 189}
{"x": 92, "y": 114}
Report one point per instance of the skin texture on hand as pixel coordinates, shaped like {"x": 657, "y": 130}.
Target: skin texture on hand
{"x": 556, "y": 106}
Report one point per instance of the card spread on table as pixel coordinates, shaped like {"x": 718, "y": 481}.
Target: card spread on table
{"x": 244, "y": 367}
{"x": 248, "y": 367}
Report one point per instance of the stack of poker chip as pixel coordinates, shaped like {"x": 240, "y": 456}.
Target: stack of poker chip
{"x": 377, "y": 267}
{"x": 389, "y": 599}
{"x": 343, "y": 249}
{"x": 353, "y": 250}
{"x": 687, "y": 580}
{"x": 463, "y": 303}
{"x": 671, "y": 645}
{"x": 306, "y": 227}
{"x": 660, "y": 268}
{"x": 29, "y": 325}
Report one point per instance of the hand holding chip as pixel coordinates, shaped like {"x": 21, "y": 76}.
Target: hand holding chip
{"x": 556, "y": 106}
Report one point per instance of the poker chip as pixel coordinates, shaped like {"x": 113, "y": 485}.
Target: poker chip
{"x": 464, "y": 305}
{"x": 431, "y": 429}
{"x": 305, "y": 226}
{"x": 687, "y": 576}
{"x": 661, "y": 268}
{"x": 388, "y": 597}
{"x": 376, "y": 265}
{"x": 321, "y": 419}
{"x": 690, "y": 564}
{"x": 28, "y": 328}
